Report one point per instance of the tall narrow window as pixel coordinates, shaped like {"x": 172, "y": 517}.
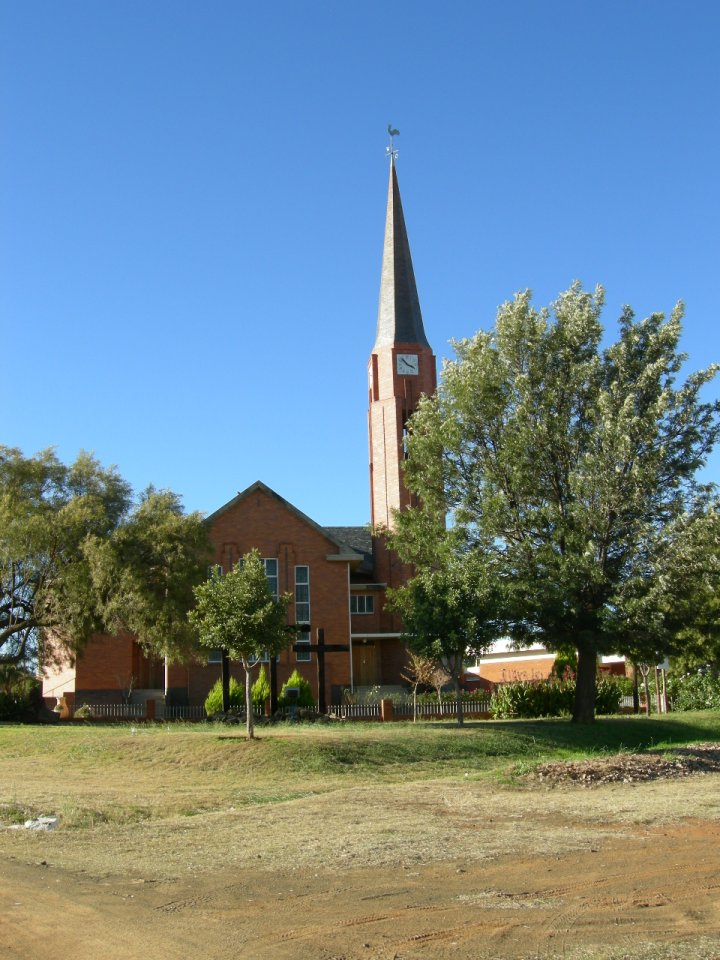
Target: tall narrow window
{"x": 302, "y": 609}
{"x": 271, "y": 572}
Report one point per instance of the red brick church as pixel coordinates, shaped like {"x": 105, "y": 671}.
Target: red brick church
{"x": 337, "y": 575}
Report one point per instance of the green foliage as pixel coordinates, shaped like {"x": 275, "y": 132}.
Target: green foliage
{"x": 19, "y": 694}
{"x": 565, "y": 665}
{"x": 698, "y": 691}
{"x": 527, "y": 699}
{"x": 305, "y": 696}
{"x": 49, "y": 514}
{"x": 147, "y": 573}
{"x": 77, "y": 555}
{"x": 238, "y": 613}
{"x": 448, "y": 612}
{"x": 569, "y": 473}
{"x": 213, "y": 702}
{"x": 608, "y": 694}
{"x": 261, "y": 689}
{"x": 624, "y": 684}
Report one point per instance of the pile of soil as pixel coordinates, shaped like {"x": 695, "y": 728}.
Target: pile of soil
{"x": 632, "y": 767}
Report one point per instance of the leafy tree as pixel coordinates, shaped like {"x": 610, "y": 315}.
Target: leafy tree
{"x": 72, "y": 541}
{"x": 146, "y": 572}
{"x": 238, "y": 614}
{"x": 448, "y": 613}
{"x": 681, "y": 599}
{"x": 562, "y": 466}
{"x": 49, "y": 513}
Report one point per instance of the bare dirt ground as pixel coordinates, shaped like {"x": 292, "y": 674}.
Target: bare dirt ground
{"x": 626, "y": 865}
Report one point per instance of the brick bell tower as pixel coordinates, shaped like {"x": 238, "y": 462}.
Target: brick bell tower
{"x": 402, "y": 367}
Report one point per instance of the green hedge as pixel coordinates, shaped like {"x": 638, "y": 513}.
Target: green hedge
{"x": 528, "y": 699}
{"x": 695, "y": 691}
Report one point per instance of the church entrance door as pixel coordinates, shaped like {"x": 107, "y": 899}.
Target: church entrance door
{"x": 365, "y": 663}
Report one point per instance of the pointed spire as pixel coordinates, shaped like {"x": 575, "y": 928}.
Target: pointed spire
{"x": 399, "y": 316}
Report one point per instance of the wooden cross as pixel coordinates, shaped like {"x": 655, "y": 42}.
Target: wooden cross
{"x": 321, "y": 648}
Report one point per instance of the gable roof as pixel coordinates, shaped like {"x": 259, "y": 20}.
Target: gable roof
{"x": 343, "y": 549}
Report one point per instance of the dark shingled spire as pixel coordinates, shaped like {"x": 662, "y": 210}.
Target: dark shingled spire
{"x": 399, "y": 317}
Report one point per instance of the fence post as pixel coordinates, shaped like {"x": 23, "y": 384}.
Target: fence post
{"x": 386, "y": 711}
{"x": 149, "y": 709}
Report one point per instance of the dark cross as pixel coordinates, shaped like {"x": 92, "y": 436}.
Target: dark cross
{"x": 321, "y": 648}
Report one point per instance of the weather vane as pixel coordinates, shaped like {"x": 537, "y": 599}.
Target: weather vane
{"x": 390, "y": 150}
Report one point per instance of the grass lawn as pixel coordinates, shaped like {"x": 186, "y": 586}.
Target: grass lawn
{"x": 121, "y": 773}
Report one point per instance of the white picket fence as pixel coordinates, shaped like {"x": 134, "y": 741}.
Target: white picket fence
{"x": 184, "y": 713}
{"x": 371, "y": 711}
{"x": 116, "y": 711}
{"x": 355, "y": 711}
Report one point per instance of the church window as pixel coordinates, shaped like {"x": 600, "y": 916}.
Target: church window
{"x": 302, "y": 609}
{"x": 271, "y": 572}
{"x": 362, "y": 603}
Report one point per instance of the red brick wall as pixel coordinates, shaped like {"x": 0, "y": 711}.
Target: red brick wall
{"x": 391, "y": 396}
{"x": 106, "y": 663}
{"x": 263, "y": 521}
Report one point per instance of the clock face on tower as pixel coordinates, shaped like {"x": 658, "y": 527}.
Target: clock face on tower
{"x": 407, "y": 364}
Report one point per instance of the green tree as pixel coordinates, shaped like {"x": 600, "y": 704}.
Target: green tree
{"x": 72, "y": 541}
{"x": 562, "y": 467}
{"x": 449, "y": 614}
{"x": 49, "y": 513}
{"x": 146, "y": 572}
{"x": 675, "y": 607}
{"x": 238, "y": 614}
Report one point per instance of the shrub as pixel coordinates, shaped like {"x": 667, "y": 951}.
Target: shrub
{"x": 213, "y": 703}
{"x": 527, "y": 699}
{"x": 305, "y": 696}
{"x": 260, "y": 689}
{"x": 19, "y": 695}
{"x": 695, "y": 691}
{"x": 608, "y": 694}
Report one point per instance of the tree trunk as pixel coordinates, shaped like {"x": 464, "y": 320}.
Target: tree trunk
{"x": 584, "y": 709}
{"x": 249, "y": 718}
{"x": 635, "y": 690}
{"x": 458, "y": 701}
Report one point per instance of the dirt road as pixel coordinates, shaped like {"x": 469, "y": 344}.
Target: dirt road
{"x": 642, "y": 885}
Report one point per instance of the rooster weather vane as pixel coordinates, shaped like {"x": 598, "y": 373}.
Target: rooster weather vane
{"x": 390, "y": 150}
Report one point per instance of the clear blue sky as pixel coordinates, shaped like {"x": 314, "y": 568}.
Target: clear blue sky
{"x": 192, "y": 202}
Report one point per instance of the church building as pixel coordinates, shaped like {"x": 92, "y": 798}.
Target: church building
{"x": 337, "y": 576}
